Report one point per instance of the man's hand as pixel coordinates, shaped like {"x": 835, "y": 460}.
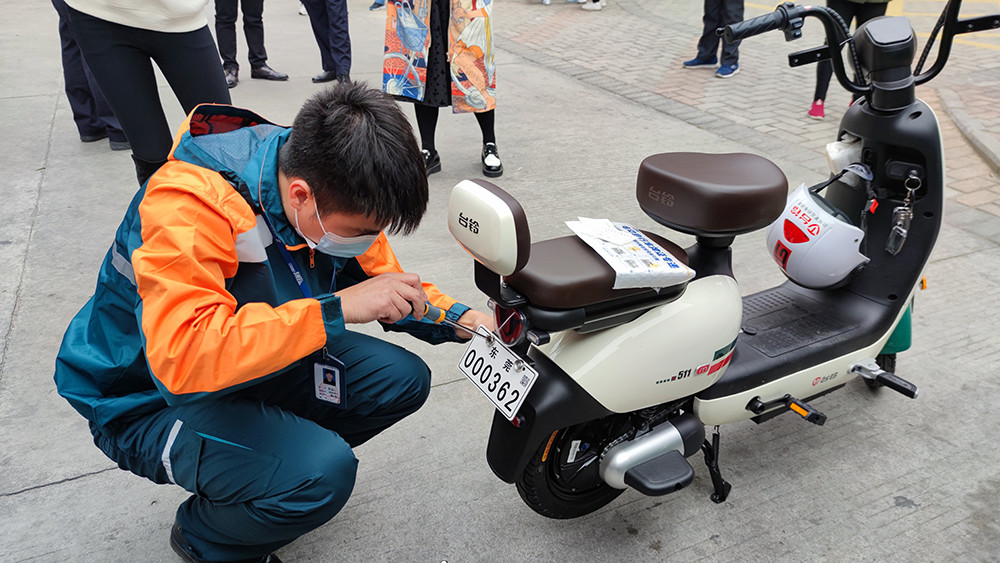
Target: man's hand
{"x": 387, "y": 298}
{"x": 473, "y": 319}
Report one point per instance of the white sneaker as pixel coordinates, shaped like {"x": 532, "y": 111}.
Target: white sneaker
{"x": 592, "y": 6}
{"x": 302, "y": 10}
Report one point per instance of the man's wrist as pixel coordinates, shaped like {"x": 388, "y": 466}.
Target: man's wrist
{"x": 333, "y": 316}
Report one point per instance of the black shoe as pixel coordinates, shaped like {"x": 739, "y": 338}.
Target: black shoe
{"x": 186, "y": 552}
{"x": 432, "y": 161}
{"x": 94, "y": 137}
{"x": 325, "y": 76}
{"x": 330, "y": 76}
{"x": 232, "y": 77}
{"x": 120, "y": 145}
{"x": 492, "y": 167}
{"x": 267, "y": 73}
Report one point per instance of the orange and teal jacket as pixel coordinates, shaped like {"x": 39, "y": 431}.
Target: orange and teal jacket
{"x": 194, "y": 299}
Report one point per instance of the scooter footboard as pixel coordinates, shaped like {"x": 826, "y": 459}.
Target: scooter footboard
{"x": 555, "y": 401}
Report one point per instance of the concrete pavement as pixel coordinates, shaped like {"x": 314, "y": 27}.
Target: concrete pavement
{"x": 583, "y": 97}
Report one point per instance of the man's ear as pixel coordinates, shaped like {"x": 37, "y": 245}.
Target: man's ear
{"x": 299, "y": 193}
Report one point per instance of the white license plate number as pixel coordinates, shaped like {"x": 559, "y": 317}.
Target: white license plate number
{"x": 500, "y": 374}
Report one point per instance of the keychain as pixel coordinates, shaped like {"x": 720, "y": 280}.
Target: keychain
{"x": 901, "y": 217}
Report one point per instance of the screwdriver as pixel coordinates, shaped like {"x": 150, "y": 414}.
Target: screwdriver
{"x": 437, "y": 316}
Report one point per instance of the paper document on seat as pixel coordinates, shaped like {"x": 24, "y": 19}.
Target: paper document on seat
{"x": 636, "y": 259}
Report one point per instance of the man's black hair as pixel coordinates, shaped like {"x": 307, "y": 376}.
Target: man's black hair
{"x": 356, "y": 150}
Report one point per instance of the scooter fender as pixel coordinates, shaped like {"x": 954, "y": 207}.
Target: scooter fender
{"x": 555, "y": 401}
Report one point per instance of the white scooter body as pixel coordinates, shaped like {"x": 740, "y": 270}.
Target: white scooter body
{"x": 672, "y": 351}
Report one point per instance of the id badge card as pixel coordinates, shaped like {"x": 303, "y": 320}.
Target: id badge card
{"x": 328, "y": 380}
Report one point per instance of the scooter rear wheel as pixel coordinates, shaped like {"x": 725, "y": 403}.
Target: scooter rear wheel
{"x": 562, "y": 480}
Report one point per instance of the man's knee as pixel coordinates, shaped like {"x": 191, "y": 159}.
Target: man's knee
{"x": 411, "y": 378}
{"x": 317, "y": 483}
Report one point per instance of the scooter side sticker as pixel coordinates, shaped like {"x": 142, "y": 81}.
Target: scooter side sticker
{"x": 723, "y": 351}
{"x": 721, "y": 364}
{"x": 725, "y": 354}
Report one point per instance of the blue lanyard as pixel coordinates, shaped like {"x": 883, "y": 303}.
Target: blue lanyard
{"x": 299, "y": 279}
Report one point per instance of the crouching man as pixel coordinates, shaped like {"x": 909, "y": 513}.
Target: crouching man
{"x": 214, "y": 353}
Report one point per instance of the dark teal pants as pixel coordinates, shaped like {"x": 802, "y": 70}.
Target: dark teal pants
{"x": 270, "y": 462}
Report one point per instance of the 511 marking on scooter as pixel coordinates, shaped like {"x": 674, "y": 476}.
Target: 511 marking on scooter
{"x": 705, "y": 369}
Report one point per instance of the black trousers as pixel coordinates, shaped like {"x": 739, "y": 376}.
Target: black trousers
{"x": 330, "y": 27}
{"x": 253, "y": 29}
{"x": 91, "y": 112}
{"x": 719, "y": 13}
{"x": 121, "y": 59}
{"x": 849, "y": 11}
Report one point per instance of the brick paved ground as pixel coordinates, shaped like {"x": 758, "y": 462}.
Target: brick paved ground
{"x": 634, "y": 48}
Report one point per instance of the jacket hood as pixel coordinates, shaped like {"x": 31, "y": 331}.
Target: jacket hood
{"x": 242, "y": 147}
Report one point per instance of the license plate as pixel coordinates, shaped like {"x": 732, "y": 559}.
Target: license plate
{"x": 500, "y": 374}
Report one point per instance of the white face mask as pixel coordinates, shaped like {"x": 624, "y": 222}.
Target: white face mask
{"x": 336, "y": 245}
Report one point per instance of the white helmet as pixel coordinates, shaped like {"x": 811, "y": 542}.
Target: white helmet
{"x": 815, "y": 244}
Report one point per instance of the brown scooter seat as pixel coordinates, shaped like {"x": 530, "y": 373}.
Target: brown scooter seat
{"x": 566, "y": 273}
{"x": 713, "y": 195}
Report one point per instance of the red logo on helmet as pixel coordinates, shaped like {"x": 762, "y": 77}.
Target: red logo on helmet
{"x": 794, "y": 234}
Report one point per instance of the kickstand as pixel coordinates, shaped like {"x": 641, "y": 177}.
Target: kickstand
{"x": 711, "y": 451}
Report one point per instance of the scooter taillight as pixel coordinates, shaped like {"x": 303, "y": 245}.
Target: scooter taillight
{"x": 511, "y": 324}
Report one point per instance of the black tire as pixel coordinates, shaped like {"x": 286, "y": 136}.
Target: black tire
{"x": 885, "y": 361}
{"x": 562, "y": 480}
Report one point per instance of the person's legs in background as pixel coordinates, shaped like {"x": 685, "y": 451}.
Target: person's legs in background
{"x": 188, "y": 64}
{"x": 253, "y": 29}
{"x": 824, "y": 69}
{"x": 328, "y": 19}
{"x": 125, "y": 73}
{"x": 119, "y": 57}
{"x": 492, "y": 166}
{"x": 225, "y": 33}
{"x": 316, "y": 9}
{"x": 731, "y": 11}
{"x": 708, "y": 43}
{"x": 340, "y": 37}
{"x": 427, "y": 117}
{"x": 93, "y": 116}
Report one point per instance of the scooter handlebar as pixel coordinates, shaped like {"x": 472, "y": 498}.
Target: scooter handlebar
{"x": 755, "y": 26}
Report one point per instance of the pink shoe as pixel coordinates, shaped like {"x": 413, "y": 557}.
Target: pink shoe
{"x": 816, "y": 111}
